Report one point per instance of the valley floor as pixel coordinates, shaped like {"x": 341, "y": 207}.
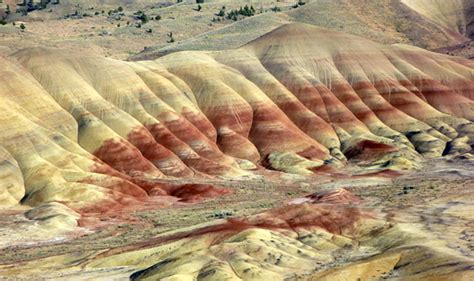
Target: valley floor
{"x": 437, "y": 200}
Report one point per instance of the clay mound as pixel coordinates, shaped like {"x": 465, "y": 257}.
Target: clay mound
{"x": 336, "y": 196}
{"x": 296, "y": 241}
{"x": 92, "y": 132}
{"x": 334, "y": 237}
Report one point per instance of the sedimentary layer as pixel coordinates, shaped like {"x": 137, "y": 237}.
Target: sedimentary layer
{"x": 90, "y": 131}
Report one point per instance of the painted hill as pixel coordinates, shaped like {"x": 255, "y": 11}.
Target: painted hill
{"x": 85, "y": 137}
{"x": 85, "y": 130}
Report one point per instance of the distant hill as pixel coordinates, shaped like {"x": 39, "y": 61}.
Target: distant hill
{"x": 430, "y": 24}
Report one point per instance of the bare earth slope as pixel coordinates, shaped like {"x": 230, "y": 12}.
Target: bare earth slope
{"x": 84, "y": 135}
{"x": 454, "y": 15}
{"x": 431, "y": 24}
{"x": 316, "y": 100}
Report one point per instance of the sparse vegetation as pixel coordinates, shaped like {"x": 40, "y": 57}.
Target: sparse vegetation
{"x": 221, "y": 214}
{"x": 276, "y": 9}
{"x": 22, "y": 26}
{"x": 245, "y": 11}
{"x": 221, "y": 12}
{"x": 170, "y": 37}
{"x": 140, "y": 15}
{"x": 299, "y": 3}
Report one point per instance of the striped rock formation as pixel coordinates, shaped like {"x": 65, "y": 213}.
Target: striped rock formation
{"x": 84, "y": 130}
{"x": 326, "y": 236}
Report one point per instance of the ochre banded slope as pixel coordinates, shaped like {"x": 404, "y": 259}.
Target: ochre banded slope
{"x": 329, "y": 235}
{"x": 83, "y": 130}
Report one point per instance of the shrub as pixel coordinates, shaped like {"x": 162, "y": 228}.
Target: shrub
{"x": 22, "y": 26}
{"x": 141, "y": 16}
{"x": 245, "y": 11}
{"x": 170, "y": 36}
{"x": 221, "y": 12}
{"x": 232, "y": 15}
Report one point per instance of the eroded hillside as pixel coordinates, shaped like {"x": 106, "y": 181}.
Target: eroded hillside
{"x": 83, "y": 136}
{"x": 102, "y": 127}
